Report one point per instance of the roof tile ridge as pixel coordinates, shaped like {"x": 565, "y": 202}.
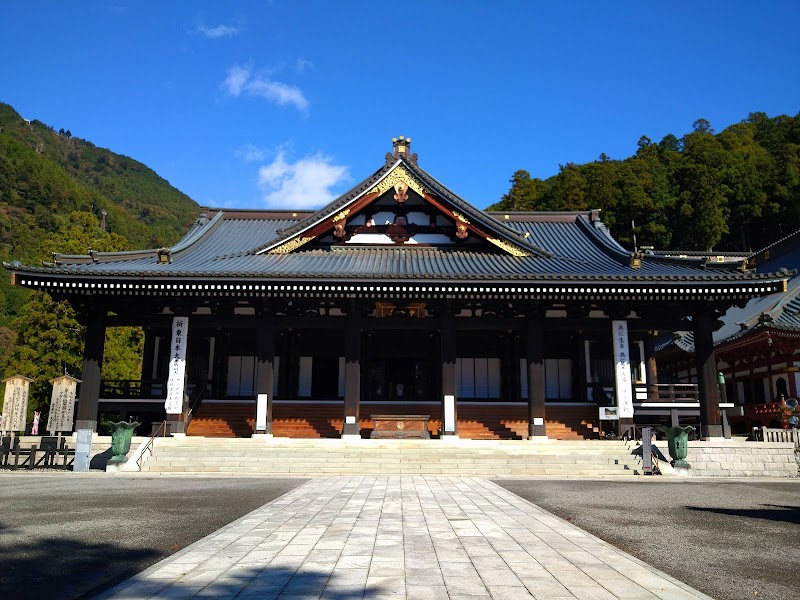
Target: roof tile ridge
{"x": 96, "y": 256}
{"x": 604, "y": 241}
{"x": 782, "y": 240}
{"x": 201, "y": 229}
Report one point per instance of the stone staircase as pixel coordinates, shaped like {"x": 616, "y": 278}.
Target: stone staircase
{"x": 282, "y": 456}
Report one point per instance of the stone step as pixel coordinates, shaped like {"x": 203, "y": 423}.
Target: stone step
{"x": 252, "y": 456}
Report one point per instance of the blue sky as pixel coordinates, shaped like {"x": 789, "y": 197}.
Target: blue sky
{"x": 289, "y": 103}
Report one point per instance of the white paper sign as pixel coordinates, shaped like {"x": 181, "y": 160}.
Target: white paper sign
{"x": 622, "y": 358}
{"x": 177, "y": 366}
{"x": 62, "y": 404}
{"x": 261, "y": 413}
{"x": 15, "y": 403}
{"x": 450, "y": 413}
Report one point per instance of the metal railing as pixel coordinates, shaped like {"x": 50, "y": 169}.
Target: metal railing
{"x": 151, "y": 443}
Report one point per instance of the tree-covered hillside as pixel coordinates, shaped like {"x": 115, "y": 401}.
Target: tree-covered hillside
{"x": 736, "y": 190}
{"x": 59, "y": 193}
{"x": 47, "y": 174}
{"x": 44, "y": 172}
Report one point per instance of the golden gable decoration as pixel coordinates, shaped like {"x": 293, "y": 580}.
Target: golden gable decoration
{"x": 398, "y": 175}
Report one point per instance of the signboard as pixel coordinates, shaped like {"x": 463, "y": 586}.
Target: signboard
{"x": 622, "y": 359}
{"x": 609, "y": 413}
{"x": 450, "y": 413}
{"x": 62, "y": 404}
{"x": 261, "y": 412}
{"x": 15, "y": 403}
{"x": 83, "y": 450}
{"x": 177, "y": 366}
{"x": 647, "y": 450}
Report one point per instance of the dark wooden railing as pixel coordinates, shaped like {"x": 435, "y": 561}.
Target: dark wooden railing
{"x": 667, "y": 393}
{"x": 133, "y": 389}
{"x": 136, "y": 389}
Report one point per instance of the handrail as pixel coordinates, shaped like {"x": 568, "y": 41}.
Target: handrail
{"x": 151, "y": 443}
{"x": 194, "y": 401}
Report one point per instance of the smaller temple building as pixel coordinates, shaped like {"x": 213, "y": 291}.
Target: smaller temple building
{"x": 398, "y": 298}
{"x": 757, "y": 346}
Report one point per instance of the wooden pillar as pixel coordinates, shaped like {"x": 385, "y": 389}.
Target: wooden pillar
{"x": 92, "y": 367}
{"x": 352, "y": 372}
{"x": 650, "y": 365}
{"x": 579, "y": 376}
{"x": 265, "y": 366}
{"x": 515, "y": 392}
{"x": 293, "y": 363}
{"x": 706, "y": 365}
{"x": 537, "y": 428}
{"x": 447, "y": 338}
{"x": 148, "y": 358}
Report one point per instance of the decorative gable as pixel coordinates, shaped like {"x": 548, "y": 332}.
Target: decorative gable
{"x": 402, "y": 206}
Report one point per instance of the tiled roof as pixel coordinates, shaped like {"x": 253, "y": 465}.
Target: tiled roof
{"x": 565, "y": 246}
{"x": 777, "y": 312}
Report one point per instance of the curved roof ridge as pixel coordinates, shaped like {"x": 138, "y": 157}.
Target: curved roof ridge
{"x": 604, "y": 240}
{"x": 509, "y": 232}
{"x": 781, "y": 241}
{"x": 199, "y": 230}
{"x": 336, "y": 204}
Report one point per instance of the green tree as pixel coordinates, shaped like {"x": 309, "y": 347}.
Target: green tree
{"x": 49, "y": 343}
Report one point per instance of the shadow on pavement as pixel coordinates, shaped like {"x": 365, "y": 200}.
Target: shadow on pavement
{"x": 781, "y": 514}
{"x": 254, "y": 582}
{"x": 57, "y": 568}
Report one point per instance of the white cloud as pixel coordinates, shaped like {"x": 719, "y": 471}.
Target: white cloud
{"x": 242, "y": 80}
{"x": 216, "y": 32}
{"x": 301, "y": 185}
{"x": 236, "y": 80}
{"x": 251, "y": 153}
{"x": 302, "y": 65}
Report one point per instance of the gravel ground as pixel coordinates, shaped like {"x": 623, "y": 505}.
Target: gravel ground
{"x": 66, "y": 536}
{"x": 731, "y": 539}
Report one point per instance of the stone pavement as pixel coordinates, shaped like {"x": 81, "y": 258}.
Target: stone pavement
{"x": 425, "y": 537}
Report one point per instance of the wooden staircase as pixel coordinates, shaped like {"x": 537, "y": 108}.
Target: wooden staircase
{"x": 324, "y": 420}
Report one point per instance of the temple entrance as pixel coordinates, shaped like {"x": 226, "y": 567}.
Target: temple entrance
{"x": 399, "y": 367}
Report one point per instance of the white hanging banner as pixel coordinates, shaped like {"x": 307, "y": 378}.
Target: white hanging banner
{"x": 15, "y": 403}
{"x": 622, "y": 359}
{"x": 450, "y": 413}
{"x": 177, "y": 366}
{"x": 261, "y": 412}
{"x": 62, "y": 404}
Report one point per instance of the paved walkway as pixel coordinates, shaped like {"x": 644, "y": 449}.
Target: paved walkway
{"x": 415, "y": 537}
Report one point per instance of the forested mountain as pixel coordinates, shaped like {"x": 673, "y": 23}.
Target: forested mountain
{"x": 60, "y": 193}
{"x": 45, "y": 175}
{"x": 736, "y": 190}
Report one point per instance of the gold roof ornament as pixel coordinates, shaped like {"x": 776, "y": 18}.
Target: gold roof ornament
{"x": 398, "y": 175}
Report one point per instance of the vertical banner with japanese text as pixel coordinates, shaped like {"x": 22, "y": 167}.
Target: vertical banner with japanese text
{"x": 177, "y": 366}
{"x": 62, "y": 404}
{"x": 622, "y": 360}
{"x": 15, "y": 403}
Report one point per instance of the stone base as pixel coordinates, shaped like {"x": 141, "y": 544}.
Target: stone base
{"x": 262, "y": 436}
{"x": 682, "y": 470}
{"x": 116, "y": 464}
{"x": 449, "y": 438}
{"x": 538, "y": 438}
{"x": 351, "y": 437}
{"x": 738, "y": 458}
